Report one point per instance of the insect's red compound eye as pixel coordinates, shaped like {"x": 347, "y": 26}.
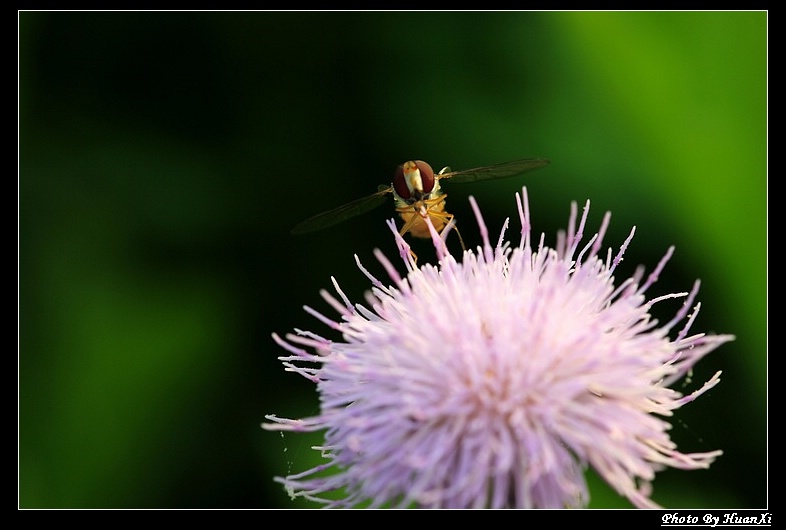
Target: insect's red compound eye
{"x": 400, "y": 183}
{"x": 426, "y": 176}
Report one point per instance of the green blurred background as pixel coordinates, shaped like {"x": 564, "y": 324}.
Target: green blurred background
{"x": 164, "y": 157}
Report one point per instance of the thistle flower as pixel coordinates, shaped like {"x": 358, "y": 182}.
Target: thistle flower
{"x": 495, "y": 381}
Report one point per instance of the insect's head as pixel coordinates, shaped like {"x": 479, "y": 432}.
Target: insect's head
{"x": 413, "y": 181}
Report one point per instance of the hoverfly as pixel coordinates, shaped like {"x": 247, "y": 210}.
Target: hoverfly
{"x": 417, "y": 193}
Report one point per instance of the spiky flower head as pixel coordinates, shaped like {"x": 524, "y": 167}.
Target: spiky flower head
{"x": 495, "y": 381}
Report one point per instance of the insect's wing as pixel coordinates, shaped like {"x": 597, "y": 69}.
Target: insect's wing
{"x": 497, "y": 171}
{"x": 342, "y": 213}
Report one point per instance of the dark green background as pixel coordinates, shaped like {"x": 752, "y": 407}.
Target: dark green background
{"x": 164, "y": 157}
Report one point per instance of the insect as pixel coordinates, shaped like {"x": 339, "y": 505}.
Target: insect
{"x": 417, "y": 193}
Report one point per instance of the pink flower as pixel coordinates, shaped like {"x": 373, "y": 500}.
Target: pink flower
{"x": 495, "y": 381}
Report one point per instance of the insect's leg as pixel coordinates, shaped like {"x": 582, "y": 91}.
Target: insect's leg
{"x": 448, "y": 217}
{"x": 443, "y": 215}
{"x": 461, "y": 239}
{"x": 409, "y": 217}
